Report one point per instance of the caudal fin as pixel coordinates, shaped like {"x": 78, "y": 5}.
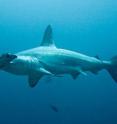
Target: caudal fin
{"x": 112, "y": 68}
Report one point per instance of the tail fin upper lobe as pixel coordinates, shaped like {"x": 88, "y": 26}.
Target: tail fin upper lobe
{"x": 112, "y": 68}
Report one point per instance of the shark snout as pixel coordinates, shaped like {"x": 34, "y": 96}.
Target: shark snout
{"x": 5, "y": 59}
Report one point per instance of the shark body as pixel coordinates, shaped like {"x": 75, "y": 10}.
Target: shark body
{"x": 47, "y": 59}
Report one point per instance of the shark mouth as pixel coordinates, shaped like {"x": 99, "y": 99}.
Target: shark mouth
{"x": 5, "y": 59}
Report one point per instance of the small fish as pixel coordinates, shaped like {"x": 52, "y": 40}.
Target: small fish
{"x": 54, "y": 108}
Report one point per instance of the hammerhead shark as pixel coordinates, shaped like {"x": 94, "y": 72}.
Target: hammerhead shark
{"x": 47, "y": 59}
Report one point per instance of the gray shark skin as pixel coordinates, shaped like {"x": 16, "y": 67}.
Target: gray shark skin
{"x": 47, "y": 59}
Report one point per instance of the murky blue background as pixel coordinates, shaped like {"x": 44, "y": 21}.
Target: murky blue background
{"x": 86, "y": 26}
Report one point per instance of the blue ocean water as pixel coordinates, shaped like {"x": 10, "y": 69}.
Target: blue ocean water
{"x": 89, "y": 27}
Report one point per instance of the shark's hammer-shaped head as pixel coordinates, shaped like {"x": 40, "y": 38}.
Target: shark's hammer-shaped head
{"x": 18, "y": 64}
{"x": 5, "y": 59}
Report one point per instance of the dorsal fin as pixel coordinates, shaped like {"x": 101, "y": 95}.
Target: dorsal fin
{"x": 48, "y": 37}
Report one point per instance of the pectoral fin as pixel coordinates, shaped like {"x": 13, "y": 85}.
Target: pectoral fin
{"x": 33, "y": 78}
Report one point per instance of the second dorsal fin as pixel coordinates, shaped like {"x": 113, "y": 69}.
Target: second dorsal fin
{"x": 97, "y": 57}
{"x": 48, "y": 37}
